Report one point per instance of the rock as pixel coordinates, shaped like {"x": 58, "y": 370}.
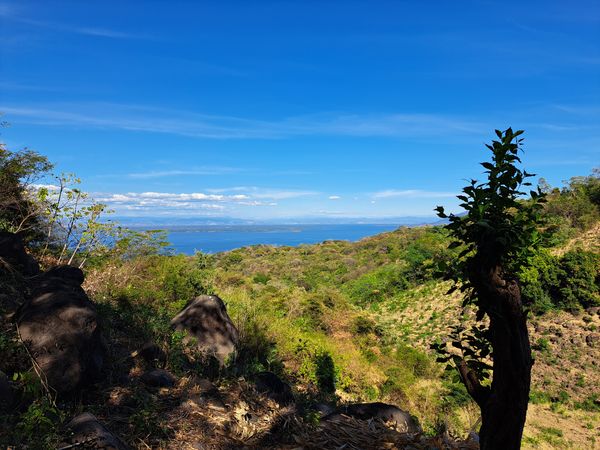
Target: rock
{"x": 473, "y": 437}
{"x": 68, "y": 274}
{"x": 273, "y": 387}
{"x": 593, "y": 310}
{"x": 556, "y": 331}
{"x": 323, "y": 409}
{"x": 151, "y": 353}
{"x": 86, "y": 428}
{"x": 206, "y": 319}
{"x": 59, "y": 324}
{"x": 592, "y": 339}
{"x": 158, "y": 378}
{"x": 12, "y": 251}
{"x": 388, "y": 413}
{"x": 7, "y": 393}
{"x": 62, "y": 278}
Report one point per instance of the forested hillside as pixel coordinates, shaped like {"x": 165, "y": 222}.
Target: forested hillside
{"x": 340, "y": 322}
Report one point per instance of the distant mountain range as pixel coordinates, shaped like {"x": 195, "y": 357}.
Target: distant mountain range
{"x": 230, "y": 221}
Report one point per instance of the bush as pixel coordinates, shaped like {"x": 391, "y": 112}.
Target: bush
{"x": 167, "y": 282}
{"x": 378, "y": 285}
{"x": 19, "y": 211}
{"x": 416, "y": 361}
{"x": 313, "y": 311}
{"x": 569, "y": 283}
{"x": 363, "y": 325}
{"x": 578, "y": 203}
{"x": 261, "y": 278}
{"x": 256, "y": 351}
{"x": 591, "y": 403}
{"x": 325, "y": 373}
{"x": 540, "y": 281}
{"x": 580, "y": 280}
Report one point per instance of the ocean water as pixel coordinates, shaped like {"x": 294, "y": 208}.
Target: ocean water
{"x": 214, "y": 239}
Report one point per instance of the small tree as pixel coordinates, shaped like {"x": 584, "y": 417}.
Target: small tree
{"x": 19, "y": 212}
{"x": 497, "y": 234}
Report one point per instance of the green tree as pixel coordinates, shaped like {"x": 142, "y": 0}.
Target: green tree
{"x": 577, "y": 204}
{"x": 19, "y": 211}
{"x": 497, "y": 235}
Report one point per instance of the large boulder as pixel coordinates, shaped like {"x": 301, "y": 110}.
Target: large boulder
{"x": 87, "y": 432}
{"x": 12, "y": 251}
{"x": 59, "y": 325}
{"x": 158, "y": 378}
{"x": 402, "y": 420}
{"x": 205, "y": 318}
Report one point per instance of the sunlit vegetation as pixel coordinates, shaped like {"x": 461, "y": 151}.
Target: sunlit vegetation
{"x": 341, "y": 321}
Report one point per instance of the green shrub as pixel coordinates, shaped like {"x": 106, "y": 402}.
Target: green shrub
{"x": 456, "y": 394}
{"x": 580, "y": 281}
{"x": 569, "y": 283}
{"x": 416, "y": 361}
{"x": 363, "y": 325}
{"x": 562, "y": 397}
{"x": 539, "y": 397}
{"x": 325, "y": 373}
{"x": 377, "y": 285}
{"x": 38, "y": 426}
{"x": 540, "y": 281}
{"x": 578, "y": 203}
{"x": 261, "y": 278}
{"x": 542, "y": 344}
{"x": 592, "y": 403}
{"x": 256, "y": 351}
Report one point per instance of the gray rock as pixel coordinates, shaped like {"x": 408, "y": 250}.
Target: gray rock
{"x": 323, "y": 409}
{"x": 593, "y": 310}
{"x": 158, "y": 378}
{"x": 473, "y": 437}
{"x": 59, "y": 324}
{"x": 403, "y": 421}
{"x": 85, "y": 428}
{"x": 206, "y": 319}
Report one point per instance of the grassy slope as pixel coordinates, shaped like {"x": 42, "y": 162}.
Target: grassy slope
{"x": 298, "y": 306}
{"x": 414, "y": 317}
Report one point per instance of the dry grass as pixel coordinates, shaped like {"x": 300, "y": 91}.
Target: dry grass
{"x": 569, "y": 429}
{"x": 588, "y": 240}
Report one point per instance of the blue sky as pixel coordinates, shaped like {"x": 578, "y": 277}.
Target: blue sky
{"x": 274, "y": 109}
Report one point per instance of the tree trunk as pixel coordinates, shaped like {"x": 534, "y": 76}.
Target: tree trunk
{"x": 504, "y": 405}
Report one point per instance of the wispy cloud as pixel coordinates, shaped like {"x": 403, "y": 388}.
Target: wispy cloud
{"x": 196, "y": 202}
{"x": 8, "y": 12}
{"x": 171, "y": 173}
{"x": 411, "y": 193}
{"x": 103, "y": 32}
{"x": 282, "y": 194}
{"x": 160, "y": 201}
{"x": 6, "y": 85}
{"x": 185, "y": 123}
{"x": 265, "y": 193}
{"x": 334, "y": 197}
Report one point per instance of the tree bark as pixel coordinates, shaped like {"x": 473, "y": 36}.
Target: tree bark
{"x": 504, "y": 405}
